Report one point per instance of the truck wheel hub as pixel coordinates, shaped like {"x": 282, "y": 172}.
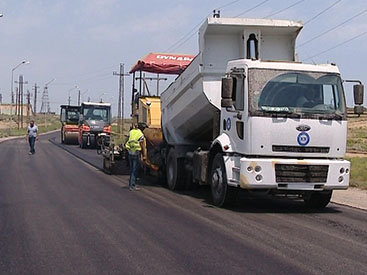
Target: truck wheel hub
{"x": 217, "y": 180}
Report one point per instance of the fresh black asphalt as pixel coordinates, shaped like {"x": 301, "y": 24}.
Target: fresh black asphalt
{"x": 60, "y": 215}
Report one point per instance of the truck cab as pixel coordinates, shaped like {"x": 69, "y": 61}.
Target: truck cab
{"x": 283, "y": 128}
{"x": 94, "y": 121}
{"x": 69, "y": 118}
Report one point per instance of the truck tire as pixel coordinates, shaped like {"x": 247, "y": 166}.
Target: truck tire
{"x": 317, "y": 199}
{"x": 222, "y": 194}
{"x": 175, "y": 171}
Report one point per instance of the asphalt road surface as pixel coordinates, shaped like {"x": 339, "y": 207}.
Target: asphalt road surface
{"x": 59, "y": 215}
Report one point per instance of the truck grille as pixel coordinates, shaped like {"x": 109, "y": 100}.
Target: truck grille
{"x": 301, "y": 173}
{"x": 300, "y": 149}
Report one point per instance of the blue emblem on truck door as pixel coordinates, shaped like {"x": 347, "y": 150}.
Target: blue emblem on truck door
{"x": 303, "y": 139}
{"x": 228, "y": 124}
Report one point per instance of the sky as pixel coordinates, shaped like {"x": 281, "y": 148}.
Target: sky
{"x": 81, "y": 42}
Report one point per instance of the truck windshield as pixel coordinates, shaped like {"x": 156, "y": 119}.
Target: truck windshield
{"x": 299, "y": 94}
{"x": 96, "y": 113}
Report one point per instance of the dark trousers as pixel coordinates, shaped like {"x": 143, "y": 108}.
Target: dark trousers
{"x": 134, "y": 167}
{"x": 31, "y": 141}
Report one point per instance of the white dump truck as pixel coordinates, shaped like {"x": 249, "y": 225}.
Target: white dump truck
{"x": 246, "y": 114}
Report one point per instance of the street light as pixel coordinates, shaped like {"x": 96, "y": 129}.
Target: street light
{"x": 12, "y": 93}
{"x": 100, "y": 96}
{"x": 48, "y": 83}
{"x": 81, "y": 96}
{"x": 75, "y": 87}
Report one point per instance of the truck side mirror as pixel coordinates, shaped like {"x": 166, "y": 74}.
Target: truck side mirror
{"x": 358, "y": 94}
{"x": 358, "y": 98}
{"x": 227, "y": 90}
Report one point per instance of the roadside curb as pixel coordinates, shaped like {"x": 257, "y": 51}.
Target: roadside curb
{"x": 23, "y": 136}
{"x": 347, "y": 205}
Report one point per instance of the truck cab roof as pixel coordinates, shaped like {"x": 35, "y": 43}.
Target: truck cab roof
{"x": 276, "y": 65}
{"x": 102, "y": 104}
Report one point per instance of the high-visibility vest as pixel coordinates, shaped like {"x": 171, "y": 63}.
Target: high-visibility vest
{"x": 133, "y": 143}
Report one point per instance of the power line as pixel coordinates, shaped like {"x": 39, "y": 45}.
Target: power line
{"x": 333, "y": 28}
{"x": 251, "y": 9}
{"x": 336, "y": 46}
{"x": 188, "y": 35}
{"x": 284, "y": 9}
{"x": 173, "y": 46}
{"x": 89, "y": 73}
{"x": 321, "y": 12}
{"x": 227, "y": 5}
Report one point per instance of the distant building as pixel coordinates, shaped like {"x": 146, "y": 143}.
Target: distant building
{"x": 5, "y": 109}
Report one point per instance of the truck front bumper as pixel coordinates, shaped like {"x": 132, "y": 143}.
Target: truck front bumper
{"x": 288, "y": 174}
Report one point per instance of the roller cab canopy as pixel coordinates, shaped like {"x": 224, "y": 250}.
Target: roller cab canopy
{"x": 163, "y": 63}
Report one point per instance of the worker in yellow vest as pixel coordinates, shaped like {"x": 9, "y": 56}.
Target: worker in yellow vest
{"x": 134, "y": 145}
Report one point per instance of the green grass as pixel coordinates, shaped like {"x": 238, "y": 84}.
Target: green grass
{"x": 357, "y": 134}
{"x": 358, "y": 172}
{"x": 45, "y": 124}
{"x": 357, "y": 139}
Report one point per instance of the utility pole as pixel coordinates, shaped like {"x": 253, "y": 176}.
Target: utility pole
{"x": 35, "y": 99}
{"x": 121, "y": 98}
{"x": 28, "y": 104}
{"x": 45, "y": 107}
{"x": 16, "y": 101}
{"x": 21, "y": 82}
{"x": 1, "y": 102}
{"x": 78, "y": 97}
{"x": 69, "y": 100}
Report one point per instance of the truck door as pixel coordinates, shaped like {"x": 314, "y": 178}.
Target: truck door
{"x": 62, "y": 115}
{"x": 234, "y": 117}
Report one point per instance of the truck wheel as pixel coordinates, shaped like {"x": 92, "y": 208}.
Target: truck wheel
{"x": 62, "y": 137}
{"x": 222, "y": 194}
{"x": 317, "y": 200}
{"x": 175, "y": 171}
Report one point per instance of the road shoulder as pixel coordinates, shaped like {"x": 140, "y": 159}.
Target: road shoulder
{"x": 23, "y": 136}
{"x": 353, "y": 197}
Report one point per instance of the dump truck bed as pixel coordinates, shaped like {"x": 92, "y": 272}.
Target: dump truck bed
{"x": 191, "y": 104}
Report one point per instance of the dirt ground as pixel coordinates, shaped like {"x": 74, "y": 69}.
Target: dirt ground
{"x": 7, "y": 125}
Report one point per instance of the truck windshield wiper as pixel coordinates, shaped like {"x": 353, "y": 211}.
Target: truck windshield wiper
{"x": 331, "y": 116}
{"x": 282, "y": 113}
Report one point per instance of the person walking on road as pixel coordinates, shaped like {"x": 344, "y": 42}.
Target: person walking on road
{"x": 135, "y": 145}
{"x": 32, "y": 136}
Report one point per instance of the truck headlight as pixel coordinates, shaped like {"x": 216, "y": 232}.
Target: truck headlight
{"x": 257, "y": 169}
{"x": 341, "y": 178}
